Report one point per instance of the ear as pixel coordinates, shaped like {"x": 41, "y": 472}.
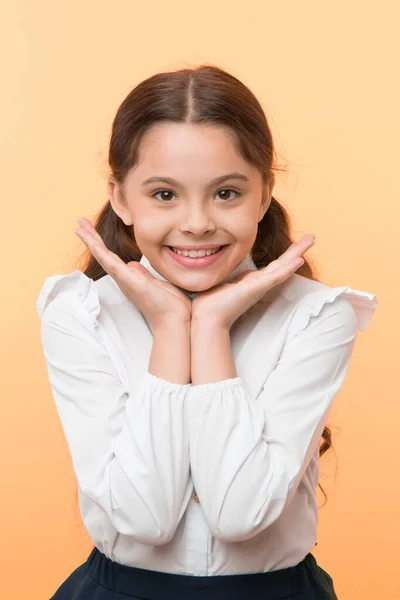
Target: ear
{"x": 266, "y": 197}
{"x": 118, "y": 202}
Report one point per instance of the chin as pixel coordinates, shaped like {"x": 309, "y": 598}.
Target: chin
{"x": 194, "y": 288}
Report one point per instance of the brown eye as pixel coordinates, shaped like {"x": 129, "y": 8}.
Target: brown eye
{"x": 163, "y": 192}
{"x": 228, "y": 190}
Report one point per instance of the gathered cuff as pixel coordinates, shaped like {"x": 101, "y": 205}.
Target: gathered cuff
{"x": 216, "y": 386}
{"x": 158, "y": 383}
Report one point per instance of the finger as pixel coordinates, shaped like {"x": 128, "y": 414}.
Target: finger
{"x": 282, "y": 272}
{"x": 257, "y": 283}
{"x": 293, "y": 253}
{"x": 86, "y": 224}
{"x": 109, "y": 261}
{"x": 291, "y": 263}
{"x": 300, "y": 247}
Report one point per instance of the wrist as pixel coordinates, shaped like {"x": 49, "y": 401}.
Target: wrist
{"x": 172, "y": 325}
{"x": 200, "y": 323}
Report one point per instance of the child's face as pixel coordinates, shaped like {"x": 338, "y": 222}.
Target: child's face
{"x": 191, "y": 211}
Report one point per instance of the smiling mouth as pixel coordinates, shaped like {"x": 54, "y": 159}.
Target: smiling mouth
{"x": 197, "y": 262}
{"x": 208, "y": 252}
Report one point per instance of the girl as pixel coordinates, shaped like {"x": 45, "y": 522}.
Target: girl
{"x": 195, "y": 360}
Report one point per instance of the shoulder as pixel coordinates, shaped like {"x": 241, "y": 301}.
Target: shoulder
{"x": 307, "y": 300}
{"x": 75, "y": 293}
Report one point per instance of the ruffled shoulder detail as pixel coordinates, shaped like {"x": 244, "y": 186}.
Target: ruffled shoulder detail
{"x": 75, "y": 284}
{"x": 363, "y": 303}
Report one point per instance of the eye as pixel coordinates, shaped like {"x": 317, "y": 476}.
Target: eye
{"x": 229, "y": 190}
{"x": 162, "y": 192}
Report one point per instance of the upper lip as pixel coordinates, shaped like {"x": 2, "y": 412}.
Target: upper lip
{"x": 198, "y": 247}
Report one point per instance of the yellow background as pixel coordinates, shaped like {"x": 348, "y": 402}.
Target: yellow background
{"x": 327, "y": 76}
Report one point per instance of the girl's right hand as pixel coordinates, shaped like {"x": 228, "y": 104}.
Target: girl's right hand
{"x": 160, "y": 301}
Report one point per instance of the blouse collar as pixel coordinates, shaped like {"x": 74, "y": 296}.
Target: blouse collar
{"x": 246, "y": 264}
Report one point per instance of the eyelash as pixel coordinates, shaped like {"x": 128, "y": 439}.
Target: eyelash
{"x": 221, "y": 190}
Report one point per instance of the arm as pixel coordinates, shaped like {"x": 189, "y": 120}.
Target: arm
{"x": 170, "y": 354}
{"x": 247, "y": 458}
{"x": 211, "y": 353}
{"x": 129, "y": 453}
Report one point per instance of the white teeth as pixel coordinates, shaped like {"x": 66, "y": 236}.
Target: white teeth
{"x": 196, "y": 253}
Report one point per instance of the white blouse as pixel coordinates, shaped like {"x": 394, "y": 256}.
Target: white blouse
{"x": 142, "y": 447}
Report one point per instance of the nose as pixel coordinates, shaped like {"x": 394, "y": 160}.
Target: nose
{"x": 197, "y": 220}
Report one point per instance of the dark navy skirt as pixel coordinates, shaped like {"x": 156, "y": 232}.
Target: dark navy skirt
{"x": 99, "y": 578}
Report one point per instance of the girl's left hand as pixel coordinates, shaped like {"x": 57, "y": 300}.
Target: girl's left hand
{"x": 223, "y": 304}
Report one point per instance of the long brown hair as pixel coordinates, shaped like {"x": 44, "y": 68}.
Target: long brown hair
{"x": 205, "y": 94}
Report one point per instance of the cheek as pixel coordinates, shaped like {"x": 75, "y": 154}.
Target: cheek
{"x": 243, "y": 227}
{"x": 147, "y": 227}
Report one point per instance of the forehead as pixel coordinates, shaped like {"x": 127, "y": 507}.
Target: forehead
{"x": 185, "y": 145}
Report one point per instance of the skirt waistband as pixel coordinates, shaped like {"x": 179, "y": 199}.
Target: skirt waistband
{"x": 153, "y": 585}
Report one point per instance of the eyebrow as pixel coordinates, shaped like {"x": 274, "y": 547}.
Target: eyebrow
{"x": 213, "y": 182}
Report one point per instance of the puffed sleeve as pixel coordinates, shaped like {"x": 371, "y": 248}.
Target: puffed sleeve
{"x": 248, "y": 457}
{"x": 130, "y": 453}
